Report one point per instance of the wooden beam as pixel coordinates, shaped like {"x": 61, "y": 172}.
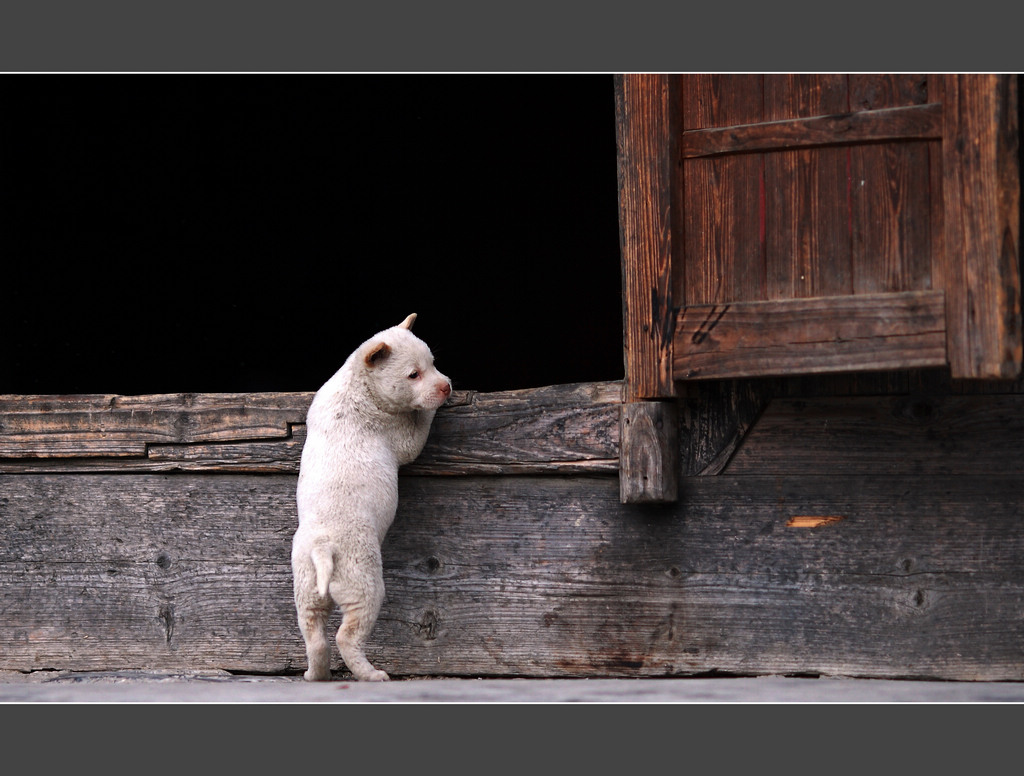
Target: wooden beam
{"x": 555, "y": 429}
{"x": 981, "y": 188}
{"x": 109, "y": 425}
{"x": 824, "y": 334}
{"x": 916, "y": 122}
{"x": 649, "y": 463}
{"x": 572, "y": 428}
{"x": 646, "y": 114}
{"x": 529, "y": 576}
{"x": 645, "y": 106}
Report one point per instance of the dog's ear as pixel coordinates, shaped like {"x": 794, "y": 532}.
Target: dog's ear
{"x": 377, "y": 354}
{"x": 408, "y": 322}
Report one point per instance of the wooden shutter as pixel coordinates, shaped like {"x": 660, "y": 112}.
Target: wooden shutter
{"x": 796, "y": 224}
{"x": 785, "y": 224}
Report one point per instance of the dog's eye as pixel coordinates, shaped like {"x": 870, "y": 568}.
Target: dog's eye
{"x": 413, "y": 375}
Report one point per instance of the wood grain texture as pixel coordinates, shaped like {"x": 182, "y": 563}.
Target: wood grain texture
{"x": 981, "y": 188}
{"x": 568, "y": 428}
{"x": 878, "y": 91}
{"x": 649, "y": 464}
{"x": 805, "y": 185}
{"x": 646, "y": 161}
{"x": 914, "y": 434}
{"x": 834, "y": 334}
{"x": 723, "y": 245}
{"x": 539, "y": 576}
{"x": 721, "y": 219}
{"x": 721, "y": 99}
{"x": 807, "y": 250}
{"x": 891, "y": 217}
{"x": 715, "y": 417}
{"x": 110, "y": 425}
{"x": 907, "y": 422}
{"x": 808, "y": 247}
{"x": 837, "y": 128}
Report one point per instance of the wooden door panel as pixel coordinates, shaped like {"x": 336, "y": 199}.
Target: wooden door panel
{"x": 807, "y": 226}
{"x": 890, "y": 216}
{"x": 723, "y": 255}
{"x": 831, "y": 187}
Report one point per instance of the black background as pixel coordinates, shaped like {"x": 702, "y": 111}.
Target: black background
{"x": 175, "y": 233}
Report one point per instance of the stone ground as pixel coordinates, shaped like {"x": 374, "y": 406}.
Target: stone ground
{"x": 221, "y": 687}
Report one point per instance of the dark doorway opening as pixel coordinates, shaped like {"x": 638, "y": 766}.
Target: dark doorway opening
{"x": 208, "y": 233}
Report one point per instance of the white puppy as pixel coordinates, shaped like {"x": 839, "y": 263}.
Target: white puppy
{"x": 372, "y": 416}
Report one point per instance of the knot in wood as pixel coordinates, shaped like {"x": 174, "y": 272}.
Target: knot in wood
{"x": 428, "y": 625}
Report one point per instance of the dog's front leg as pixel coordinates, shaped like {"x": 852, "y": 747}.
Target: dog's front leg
{"x": 423, "y": 419}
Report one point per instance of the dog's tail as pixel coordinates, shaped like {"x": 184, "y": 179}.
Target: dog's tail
{"x": 323, "y": 562}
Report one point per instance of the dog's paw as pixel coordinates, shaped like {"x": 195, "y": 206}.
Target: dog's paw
{"x": 316, "y": 676}
{"x": 376, "y": 675}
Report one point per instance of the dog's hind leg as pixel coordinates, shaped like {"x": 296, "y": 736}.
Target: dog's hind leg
{"x": 357, "y": 623}
{"x": 313, "y": 625}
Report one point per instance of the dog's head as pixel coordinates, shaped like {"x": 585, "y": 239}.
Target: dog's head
{"x": 400, "y": 371}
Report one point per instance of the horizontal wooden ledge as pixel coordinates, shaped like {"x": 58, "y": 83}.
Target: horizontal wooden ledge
{"x": 917, "y": 122}
{"x": 124, "y": 426}
{"x": 571, "y": 428}
{"x": 870, "y": 332}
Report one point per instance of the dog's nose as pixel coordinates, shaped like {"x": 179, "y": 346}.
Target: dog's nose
{"x": 446, "y": 389}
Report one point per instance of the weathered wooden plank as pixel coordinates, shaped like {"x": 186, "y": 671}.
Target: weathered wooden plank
{"x": 646, "y": 171}
{"x": 885, "y": 435}
{"x": 803, "y": 95}
{"x": 145, "y": 566}
{"x": 109, "y": 425}
{"x": 649, "y": 464}
{"x": 834, "y": 334}
{"x": 282, "y": 456}
{"x": 937, "y": 218}
{"x": 888, "y": 124}
{"x": 572, "y": 428}
{"x": 722, "y": 219}
{"x": 722, "y": 213}
{"x": 540, "y": 576}
{"x": 534, "y": 427}
{"x": 808, "y": 249}
{"x": 891, "y": 212}
{"x": 715, "y": 417}
{"x": 721, "y": 99}
{"x": 874, "y": 91}
{"x": 981, "y": 188}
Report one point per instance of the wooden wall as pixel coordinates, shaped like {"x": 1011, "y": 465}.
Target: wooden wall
{"x": 867, "y": 526}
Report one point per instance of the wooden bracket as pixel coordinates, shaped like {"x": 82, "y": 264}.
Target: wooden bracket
{"x": 649, "y": 452}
